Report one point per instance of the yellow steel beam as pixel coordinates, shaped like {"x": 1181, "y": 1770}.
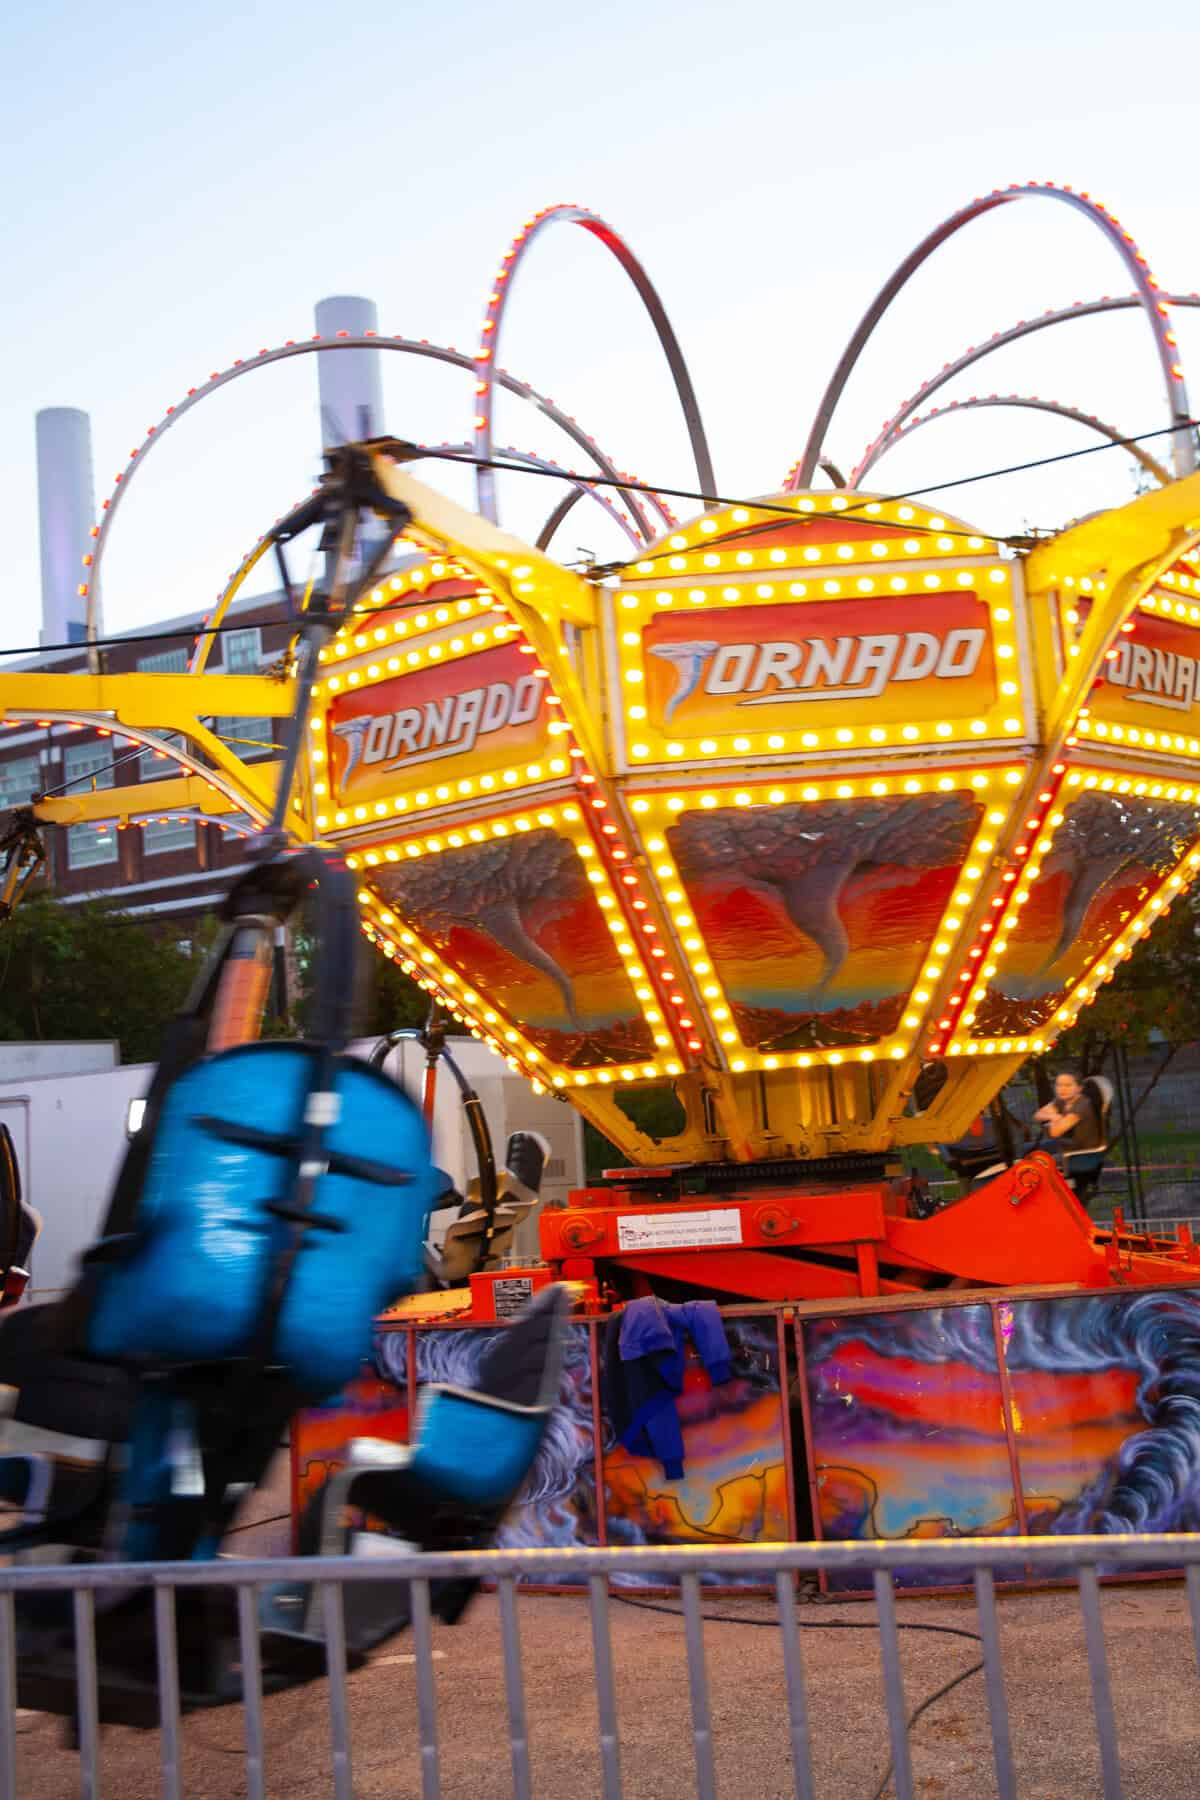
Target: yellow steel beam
{"x": 1118, "y": 541}
{"x": 540, "y": 594}
{"x": 195, "y": 792}
{"x": 496, "y": 557}
{"x": 151, "y": 705}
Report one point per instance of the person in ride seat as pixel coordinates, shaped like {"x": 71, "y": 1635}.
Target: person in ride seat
{"x": 1070, "y": 1119}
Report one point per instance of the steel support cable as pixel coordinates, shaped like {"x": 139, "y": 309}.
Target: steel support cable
{"x": 999, "y": 340}
{"x": 772, "y": 508}
{"x": 1149, "y": 296}
{"x": 624, "y": 484}
{"x": 486, "y": 356}
{"x": 526, "y": 459}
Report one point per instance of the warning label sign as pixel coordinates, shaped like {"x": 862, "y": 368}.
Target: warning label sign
{"x": 510, "y": 1294}
{"x": 679, "y": 1230}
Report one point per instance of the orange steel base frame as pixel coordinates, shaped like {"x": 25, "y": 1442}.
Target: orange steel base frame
{"x": 1023, "y": 1228}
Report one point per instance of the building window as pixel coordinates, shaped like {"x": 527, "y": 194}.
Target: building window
{"x": 168, "y": 834}
{"x": 153, "y": 766}
{"x": 20, "y": 780}
{"x": 89, "y": 846}
{"x": 243, "y": 650}
{"x": 247, "y": 738}
{"x": 164, "y": 662}
{"x": 88, "y": 765}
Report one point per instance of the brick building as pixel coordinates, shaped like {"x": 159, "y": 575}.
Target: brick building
{"x": 176, "y": 867}
{"x": 173, "y": 867}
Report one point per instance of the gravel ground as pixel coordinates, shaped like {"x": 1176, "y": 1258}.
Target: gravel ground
{"x": 1149, "y": 1648}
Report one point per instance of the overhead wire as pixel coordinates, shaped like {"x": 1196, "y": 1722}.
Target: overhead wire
{"x": 643, "y": 487}
{"x": 789, "y": 512}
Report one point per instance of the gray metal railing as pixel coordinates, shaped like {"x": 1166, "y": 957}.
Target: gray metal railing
{"x": 773, "y": 1565}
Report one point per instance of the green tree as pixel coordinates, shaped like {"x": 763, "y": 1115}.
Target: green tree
{"x": 89, "y": 971}
{"x": 392, "y": 1000}
{"x": 1152, "y": 1001}
{"x": 387, "y": 999}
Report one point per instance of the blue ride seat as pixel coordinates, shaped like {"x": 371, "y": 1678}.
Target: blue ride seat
{"x": 191, "y": 1282}
{"x": 472, "y": 1451}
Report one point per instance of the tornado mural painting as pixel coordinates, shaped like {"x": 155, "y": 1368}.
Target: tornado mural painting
{"x": 517, "y": 917}
{"x": 818, "y": 917}
{"x": 735, "y": 1477}
{"x": 909, "y": 1437}
{"x": 734, "y": 1488}
{"x": 1106, "y": 859}
{"x": 320, "y": 1436}
{"x": 557, "y": 1506}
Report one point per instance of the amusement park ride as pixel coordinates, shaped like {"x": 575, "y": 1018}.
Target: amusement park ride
{"x": 820, "y": 814}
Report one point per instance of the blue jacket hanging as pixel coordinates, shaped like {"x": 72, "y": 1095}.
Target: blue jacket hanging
{"x": 645, "y": 1349}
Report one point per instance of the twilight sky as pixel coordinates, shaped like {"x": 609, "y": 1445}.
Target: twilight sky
{"x": 181, "y": 190}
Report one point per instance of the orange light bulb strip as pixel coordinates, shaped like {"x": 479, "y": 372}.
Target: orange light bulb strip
{"x": 1012, "y": 894}
{"x": 652, "y": 812}
{"x": 1084, "y": 987}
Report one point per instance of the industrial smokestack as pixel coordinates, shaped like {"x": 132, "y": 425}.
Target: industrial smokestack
{"x": 66, "y": 508}
{"x": 349, "y": 381}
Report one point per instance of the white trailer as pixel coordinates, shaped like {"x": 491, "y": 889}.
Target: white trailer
{"x": 69, "y": 1129}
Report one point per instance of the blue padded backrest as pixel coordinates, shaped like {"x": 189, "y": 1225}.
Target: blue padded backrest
{"x": 193, "y": 1286}
{"x": 475, "y": 1450}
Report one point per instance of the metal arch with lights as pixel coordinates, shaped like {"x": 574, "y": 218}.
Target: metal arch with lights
{"x": 999, "y": 340}
{"x": 1148, "y": 292}
{"x": 485, "y": 356}
{"x": 89, "y": 587}
{"x": 1026, "y": 402}
{"x": 580, "y": 490}
{"x": 800, "y": 800}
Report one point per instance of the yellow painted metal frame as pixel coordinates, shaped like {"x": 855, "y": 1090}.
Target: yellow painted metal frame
{"x": 736, "y": 1103}
{"x": 707, "y": 576}
{"x": 143, "y": 708}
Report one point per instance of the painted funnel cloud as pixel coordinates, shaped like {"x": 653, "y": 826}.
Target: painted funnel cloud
{"x": 688, "y": 661}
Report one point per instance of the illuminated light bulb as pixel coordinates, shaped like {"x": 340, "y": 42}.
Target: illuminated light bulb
{"x": 775, "y": 742}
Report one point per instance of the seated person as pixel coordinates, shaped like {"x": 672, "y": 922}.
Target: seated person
{"x": 1070, "y": 1121}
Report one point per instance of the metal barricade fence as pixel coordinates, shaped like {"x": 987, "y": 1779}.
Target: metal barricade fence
{"x": 773, "y": 1565}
